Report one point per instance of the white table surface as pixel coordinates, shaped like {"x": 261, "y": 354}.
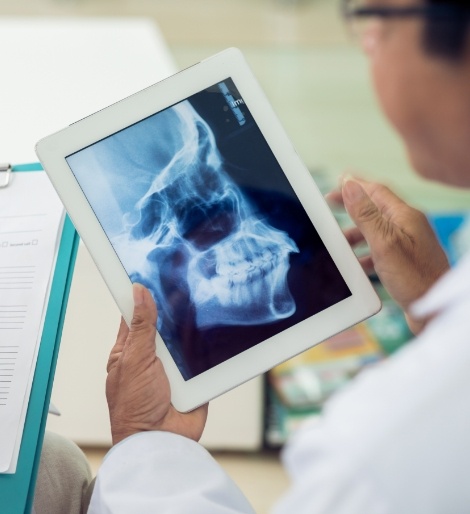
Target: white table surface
{"x": 55, "y": 71}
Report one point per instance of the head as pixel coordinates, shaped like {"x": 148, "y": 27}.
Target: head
{"x": 420, "y": 66}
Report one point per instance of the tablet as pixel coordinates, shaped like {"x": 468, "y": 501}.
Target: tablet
{"x": 192, "y": 188}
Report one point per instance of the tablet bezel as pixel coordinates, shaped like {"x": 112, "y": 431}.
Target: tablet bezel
{"x": 363, "y": 302}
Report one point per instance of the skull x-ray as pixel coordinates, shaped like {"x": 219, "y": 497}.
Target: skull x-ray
{"x": 198, "y": 210}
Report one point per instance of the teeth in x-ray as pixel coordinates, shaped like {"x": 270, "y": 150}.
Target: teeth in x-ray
{"x": 246, "y": 271}
{"x": 251, "y": 290}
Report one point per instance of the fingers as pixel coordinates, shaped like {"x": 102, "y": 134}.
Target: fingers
{"x": 387, "y": 202}
{"x": 354, "y": 236}
{"x": 190, "y": 424}
{"x": 367, "y": 264}
{"x": 334, "y": 197}
{"x": 145, "y": 310}
{"x": 122, "y": 333}
{"x": 142, "y": 330}
{"x": 203, "y": 410}
{"x": 363, "y": 211}
{"x": 118, "y": 345}
{"x": 199, "y": 421}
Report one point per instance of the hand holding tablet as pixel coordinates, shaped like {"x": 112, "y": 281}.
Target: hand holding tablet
{"x": 192, "y": 188}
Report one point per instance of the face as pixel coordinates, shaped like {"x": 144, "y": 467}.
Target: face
{"x": 426, "y": 98}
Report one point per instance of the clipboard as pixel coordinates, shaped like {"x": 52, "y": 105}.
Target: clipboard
{"x": 17, "y": 490}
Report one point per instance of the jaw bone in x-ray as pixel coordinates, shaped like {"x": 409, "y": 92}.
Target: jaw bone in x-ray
{"x": 198, "y": 232}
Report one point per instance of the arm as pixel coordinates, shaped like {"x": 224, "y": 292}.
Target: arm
{"x": 137, "y": 387}
{"x": 156, "y": 464}
{"x": 404, "y": 251}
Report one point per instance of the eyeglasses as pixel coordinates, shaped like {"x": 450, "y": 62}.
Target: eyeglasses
{"x": 360, "y": 17}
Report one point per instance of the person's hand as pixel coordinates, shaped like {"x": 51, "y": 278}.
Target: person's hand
{"x": 137, "y": 387}
{"x": 404, "y": 251}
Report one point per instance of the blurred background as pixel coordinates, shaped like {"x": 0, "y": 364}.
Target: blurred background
{"x": 315, "y": 77}
{"x": 317, "y": 81}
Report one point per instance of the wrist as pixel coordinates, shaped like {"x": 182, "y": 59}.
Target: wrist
{"x": 121, "y": 429}
{"x": 119, "y": 433}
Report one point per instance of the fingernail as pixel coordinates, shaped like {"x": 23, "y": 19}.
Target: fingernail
{"x": 138, "y": 292}
{"x": 352, "y": 190}
{"x": 345, "y": 175}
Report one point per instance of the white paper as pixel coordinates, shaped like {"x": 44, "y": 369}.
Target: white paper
{"x": 31, "y": 219}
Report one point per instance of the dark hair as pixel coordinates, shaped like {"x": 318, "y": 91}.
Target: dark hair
{"x": 447, "y": 37}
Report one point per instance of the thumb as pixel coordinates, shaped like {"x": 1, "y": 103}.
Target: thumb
{"x": 363, "y": 211}
{"x": 144, "y": 318}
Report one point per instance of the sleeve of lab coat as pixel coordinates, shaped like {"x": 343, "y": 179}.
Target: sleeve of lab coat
{"x": 160, "y": 472}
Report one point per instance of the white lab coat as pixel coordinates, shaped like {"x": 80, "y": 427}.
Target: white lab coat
{"x": 397, "y": 440}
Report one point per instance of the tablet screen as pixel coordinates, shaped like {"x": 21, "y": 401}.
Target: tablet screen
{"x": 198, "y": 209}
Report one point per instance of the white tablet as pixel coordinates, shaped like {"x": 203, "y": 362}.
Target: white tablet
{"x": 192, "y": 188}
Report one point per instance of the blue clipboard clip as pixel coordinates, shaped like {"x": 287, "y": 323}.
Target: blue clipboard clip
{"x": 5, "y": 173}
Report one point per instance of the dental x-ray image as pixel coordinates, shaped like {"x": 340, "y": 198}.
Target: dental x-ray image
{"x": 198, "y": 210}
